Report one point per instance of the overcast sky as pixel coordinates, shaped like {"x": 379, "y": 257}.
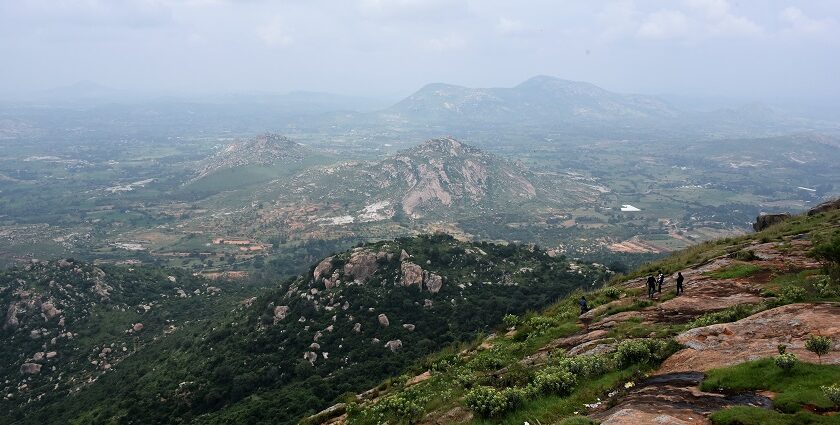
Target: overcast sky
{"x": 740, "y": 49}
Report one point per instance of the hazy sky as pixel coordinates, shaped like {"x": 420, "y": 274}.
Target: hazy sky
{"x": 741, "y": 49}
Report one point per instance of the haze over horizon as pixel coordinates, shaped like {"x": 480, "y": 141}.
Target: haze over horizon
{"x": 777, "y": 50}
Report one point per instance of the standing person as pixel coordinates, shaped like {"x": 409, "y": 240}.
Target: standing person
{"x": 659, "y": 281}
{"x": 680, "y": 280}
{"x": 651, "y": 285}
{"x": 584, "y": 307}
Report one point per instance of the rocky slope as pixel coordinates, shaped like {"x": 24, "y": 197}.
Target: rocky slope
{"x": 632, "y": 360}
{"x": 65, "y": 324}
{"x": 144, "y": 348}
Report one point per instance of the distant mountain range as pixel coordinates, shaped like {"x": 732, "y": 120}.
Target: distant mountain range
{"x": 540, "y": 98}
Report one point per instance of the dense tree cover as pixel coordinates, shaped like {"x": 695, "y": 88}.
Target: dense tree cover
{"x": 237, "y": 363}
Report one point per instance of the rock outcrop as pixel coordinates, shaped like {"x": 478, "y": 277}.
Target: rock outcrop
{"x": 30, "y": 368}
{"x": 361, "y": 265}
{"x": 764, "y": 221}
{"x": 383, "y": 319}
{"x": 394, "y": 345}
{"x": 412, "y": 274}
{"x": 756, "y": 337}
{"x": 825, "y": 206}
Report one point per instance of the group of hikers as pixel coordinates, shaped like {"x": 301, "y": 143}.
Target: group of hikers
{"x": 654, "y": 285}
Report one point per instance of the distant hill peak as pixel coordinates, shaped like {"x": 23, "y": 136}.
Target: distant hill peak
{"x": 264, "y": 150}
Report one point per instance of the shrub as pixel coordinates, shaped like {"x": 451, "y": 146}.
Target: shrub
{"x": 612, "y": 292}
{"x": 786, "y": 361}
{"x": 490, "y": 402}
{"x": 744, "y": 255}
{"x": 645, "y": 350}
{"x": 396, "y": 409}
{"x": 819, "y": 345}
{"x": 832, "y": 392}
{"x": 782, "y": 348}
{"x": 826, "y": 287}
{"x": 510, "y": 320}
{"x": 730, "y": 314}
{"x": 540, "y": 324}
{"x": 586, "y": 366}
{"x": 792, "y": 294}
{"x": 554, "y": 380}
{"x": 828, "y": 253}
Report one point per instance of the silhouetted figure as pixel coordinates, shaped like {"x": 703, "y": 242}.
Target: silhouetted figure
{"x": 680, "y": 280}
{"x": 659, "y": 281}
{"x": 651, "y": 286}
{"x": 584, "y": 307}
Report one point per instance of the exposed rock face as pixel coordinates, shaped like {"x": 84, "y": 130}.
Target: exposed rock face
{"x": 11, "y": 321}
{"x": 825, "y": 206}
{"x": 432, "y": 281}
{"x": 323, "y": 268}
{"x": 383, "y": 319}
{"x": 137, "y": 327}
{"x": 30, "y": 368}
{"x": 409, "y": 327}
{"x": 757, "y": 337}
{"x": 394, "y": 345}
{"x": 49, "y": 311}
{"x": 404, "y": 255}
{"x": 361, "y": 266}
{"x": 357, "y": 327}
{"x": 314, "y": 346}
{"x": 412, "y": 274}
{"x": 310, "y": 357}
{"x": 766, "y": 220}
{"x": 280, "y": 312}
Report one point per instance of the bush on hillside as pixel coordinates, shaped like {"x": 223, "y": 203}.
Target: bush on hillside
{"x": 786, "y": 361}
{"x": 832, "y": 392}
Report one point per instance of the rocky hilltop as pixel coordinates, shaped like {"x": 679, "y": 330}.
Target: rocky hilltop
{"x": 439, "y": 178}
{"x": 263, "y": 150}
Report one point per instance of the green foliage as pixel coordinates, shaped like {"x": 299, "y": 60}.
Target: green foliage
{"x": 578, "y": 420}
{"x": 735, "y": 271}
{"x": 744, "y": 255}
{"x": 786, "y": 361}
{"x": 791, "y": 294}
{"x": 612, "y": 292}
{"x": 396, "y": 408}
{"x": 795, "y": 388}
{"x": 731, "y": 314}
{"x": 554, "y": 380}
{"x": 819, "y": 345}
{"x": 510, "y": 320}
{"x": 490, "y": 402}
{"x": 747, "y": 415}
{"x": 641, "y": 351}
{"x": 828, "y": 253}
{"x": 832, "y": 392}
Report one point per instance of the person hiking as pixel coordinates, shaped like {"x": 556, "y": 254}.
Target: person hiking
{"x": 659, "y": 281}
{"x": 680, "y": 280}
{"x": 651, "y": 285}
{"x": 584, "y": 307}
